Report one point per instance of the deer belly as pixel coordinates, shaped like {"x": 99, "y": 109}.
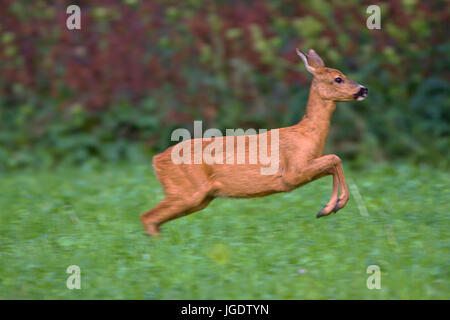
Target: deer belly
{"x": 244, "y": 181}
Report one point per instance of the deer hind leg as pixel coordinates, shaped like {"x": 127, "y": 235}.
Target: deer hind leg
{"x": 151, "y": 220}
{"x": 187, "y": 191}
{"x": 171, "y": 208}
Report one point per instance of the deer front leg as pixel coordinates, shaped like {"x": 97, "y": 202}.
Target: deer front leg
{"x": 333, "y": 203}
{"x": 343, "y": 199}
{"x": 319, "y": 168}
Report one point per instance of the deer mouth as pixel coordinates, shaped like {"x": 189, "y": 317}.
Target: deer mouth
{"x": 361, "y": 94}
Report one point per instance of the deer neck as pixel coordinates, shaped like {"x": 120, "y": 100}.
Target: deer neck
{"x": 318, "y": 114}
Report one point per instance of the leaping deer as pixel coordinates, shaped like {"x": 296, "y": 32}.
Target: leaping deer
{"x": 191, "y": 187}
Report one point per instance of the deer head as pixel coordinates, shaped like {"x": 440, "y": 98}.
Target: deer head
{"x": 331, "y": 84}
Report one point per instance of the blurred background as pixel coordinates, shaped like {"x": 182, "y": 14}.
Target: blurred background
{"x": 82, "y": 112}
{"x": 136, "y": 70}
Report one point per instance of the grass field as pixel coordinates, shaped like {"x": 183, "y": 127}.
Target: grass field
{"x": 266, "y": 248}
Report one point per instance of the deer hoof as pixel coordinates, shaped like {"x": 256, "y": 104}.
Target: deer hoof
{"x": 320, "y": 214}
{"x": 154, "y": 235}
{"x": 152, "y": 230}
{"x": 336, "y": 207}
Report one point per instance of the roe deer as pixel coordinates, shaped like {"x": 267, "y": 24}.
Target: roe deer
{"x": 190, "y": 187}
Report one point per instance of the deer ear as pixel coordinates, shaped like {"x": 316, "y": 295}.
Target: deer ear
{"x": 314, "y": 59}
{"x": 304, "y": 58}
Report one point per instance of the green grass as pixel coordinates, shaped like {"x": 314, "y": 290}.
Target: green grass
{"x": 234, "y": 249}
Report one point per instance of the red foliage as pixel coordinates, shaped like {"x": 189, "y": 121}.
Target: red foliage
{"x": 127, "y": 52}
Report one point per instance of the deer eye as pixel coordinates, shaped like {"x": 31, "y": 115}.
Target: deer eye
{"x": 338, "y": 79}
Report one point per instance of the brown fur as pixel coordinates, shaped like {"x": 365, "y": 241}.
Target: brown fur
{"x": 191, "y": 187}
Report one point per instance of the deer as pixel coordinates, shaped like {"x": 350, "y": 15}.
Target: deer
{"x": 190, "y": 187}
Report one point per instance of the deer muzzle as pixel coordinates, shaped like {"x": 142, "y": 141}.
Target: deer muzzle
{"x": 361, "y": 94}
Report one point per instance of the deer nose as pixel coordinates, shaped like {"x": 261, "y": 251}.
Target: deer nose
{"x": 361, "y": 94}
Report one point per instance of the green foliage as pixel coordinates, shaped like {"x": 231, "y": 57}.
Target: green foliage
{"x": 266, "y": 248}
{"x": 43, "y": 138}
